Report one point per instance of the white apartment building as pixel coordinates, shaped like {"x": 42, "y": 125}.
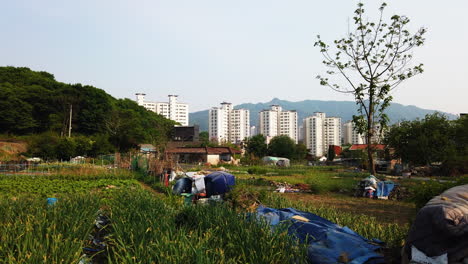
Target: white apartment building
{"x": 275, "y": 122}
{"x": 351, "y": 136}
{"x": 173, "y": 110}
{"x": 226, "y": 124}
{"x": 320, "y": 132}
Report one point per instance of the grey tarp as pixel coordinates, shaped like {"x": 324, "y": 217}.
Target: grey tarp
{"x": 441, "y": 226}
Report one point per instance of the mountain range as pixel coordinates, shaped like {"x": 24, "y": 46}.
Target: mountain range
{"x": 344, "y": 109}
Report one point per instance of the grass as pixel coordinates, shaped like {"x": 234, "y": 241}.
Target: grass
{"x": 33, "y": 232}
{"x": 156, "y": 228}
{"x": 162, "y": 233}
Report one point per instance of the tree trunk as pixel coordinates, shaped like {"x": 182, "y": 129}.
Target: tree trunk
{"x": 370, "y": 131}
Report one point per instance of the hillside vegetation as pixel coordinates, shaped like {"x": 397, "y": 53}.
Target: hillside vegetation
{"x": 33, "y": 103}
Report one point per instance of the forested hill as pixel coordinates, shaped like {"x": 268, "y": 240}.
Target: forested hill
{"x": 343, "y": 109}
{"x": 34, "y": 102}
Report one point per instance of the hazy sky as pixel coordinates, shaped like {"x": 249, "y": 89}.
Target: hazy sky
{"x": 209, "y": 51}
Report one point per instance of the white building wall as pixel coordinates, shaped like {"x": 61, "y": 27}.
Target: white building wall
{"x": 228, "y": 125}
{"x": 239, "y": 127}
{"x": 313, "y": 135}
{"x": 332, "y": 126}
{"x": 172, "y": 110}
{"x": 268, "y": 124}
{"x": 351, "y": 136}
{"x": 275, "y": 122}
{"x": 320, "y": 132}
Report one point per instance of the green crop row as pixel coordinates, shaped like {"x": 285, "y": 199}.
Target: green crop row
{"x": 155, "y": 231}
{"x": 45, "y": 187}
{"x": 33, "y": 232}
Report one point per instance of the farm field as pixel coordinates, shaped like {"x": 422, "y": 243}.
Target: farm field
{"x": 150, "y": 225}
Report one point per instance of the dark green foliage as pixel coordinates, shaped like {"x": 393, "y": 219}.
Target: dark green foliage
{"x": 204, "y": 138}
{"x": 34, "y": 102}
{"x": 422, "y": 192}
{"x": 331, "y": 153}
{"x": 282, "y": 146}
{"x": 431, "y": 140}
{"x": 300, "y": 152}
{"x": 434, "y": 139}
{"x": 256, "y": 146}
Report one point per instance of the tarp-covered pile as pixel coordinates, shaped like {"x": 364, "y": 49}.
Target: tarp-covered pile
{"x": 441, "y": 229}
{"x": 216, "y": 183}
{"x": 374, "y": 188}
{"x": 280, "y": 162}
{"x": 327, "y": 242}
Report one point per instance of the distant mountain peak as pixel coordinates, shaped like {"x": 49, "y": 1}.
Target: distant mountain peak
{"x": 343, "y": 109}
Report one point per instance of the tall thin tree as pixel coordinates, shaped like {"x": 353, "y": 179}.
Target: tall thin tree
{"x": 373, "y": 59}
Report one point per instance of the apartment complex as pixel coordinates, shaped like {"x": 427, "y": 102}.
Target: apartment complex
{"x": 351, "y": 136}
{"x": 320, "y": 132}
{"x": 173, "y": 110}
{"x": 226, "y": 124}
{"x": 275, "y": 122}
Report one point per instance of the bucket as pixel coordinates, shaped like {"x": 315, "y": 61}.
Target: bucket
{"x": 188, "y": 197}
{"x": 51, "y": 201}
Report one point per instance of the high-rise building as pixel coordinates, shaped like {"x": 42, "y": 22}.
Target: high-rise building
{"x": 320, "y": 132}
{"x": 173, "y": 110}
{"x": 351, "y": 136}
{"x": 276, "y": 122}
{"x": 226, "y": 124}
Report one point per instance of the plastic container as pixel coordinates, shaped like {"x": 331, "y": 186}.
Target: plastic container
{"x": 51, "y": 201}
{"x": 188, "y": 198}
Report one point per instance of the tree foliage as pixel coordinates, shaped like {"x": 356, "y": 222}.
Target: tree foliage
{"x": 282, "y": 146}
{"x": 35, "y": 103}
{"x": 434, "y": 139}
{"x": 256, "y": 146}
{"x": 373, "y": 59}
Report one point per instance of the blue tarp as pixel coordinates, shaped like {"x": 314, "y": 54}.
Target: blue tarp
{"x": 384, "y": 188}
{"x": 183, "y": 185}
{"x": 219, "y": 182}
{"x": 328, "y": 242}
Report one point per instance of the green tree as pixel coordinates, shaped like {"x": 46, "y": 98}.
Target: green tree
{"x": 65, "y": 148}
{"x": 282, "y": 146}
{"x": 300, "y": 152}
{"x": 331, "y": 153}
{"x": 372, "y": 60}
{"x": 422, "y": 142}
{"x": 204, "y": 138}
{"x": 256, "y": 146}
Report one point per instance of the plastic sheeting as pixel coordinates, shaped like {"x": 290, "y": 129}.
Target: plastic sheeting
{"x": 183, "y": 185}
{"x": 384, "y": 189}
{"x": 219, "y": 182}
{"x": 328, "y": 242}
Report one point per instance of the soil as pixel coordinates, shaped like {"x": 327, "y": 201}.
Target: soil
{"x": 12, "y": 150}
{"x": 384, "y": 210}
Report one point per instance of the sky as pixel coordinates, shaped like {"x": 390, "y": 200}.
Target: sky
{"x": 210, "y": 51}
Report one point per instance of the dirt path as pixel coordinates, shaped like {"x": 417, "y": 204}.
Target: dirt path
{"x": 384, "y": 210}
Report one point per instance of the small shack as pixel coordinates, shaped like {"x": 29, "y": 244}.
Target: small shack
{"x": 212, "y": 155}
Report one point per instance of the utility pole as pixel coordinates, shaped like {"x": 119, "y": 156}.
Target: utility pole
{"x": 70, "y": 125}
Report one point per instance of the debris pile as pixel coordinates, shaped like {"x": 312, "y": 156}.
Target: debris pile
{"x": 284, "y": 187}
{"x": 371, "y": 187}
{"x": 197, "y": 187}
